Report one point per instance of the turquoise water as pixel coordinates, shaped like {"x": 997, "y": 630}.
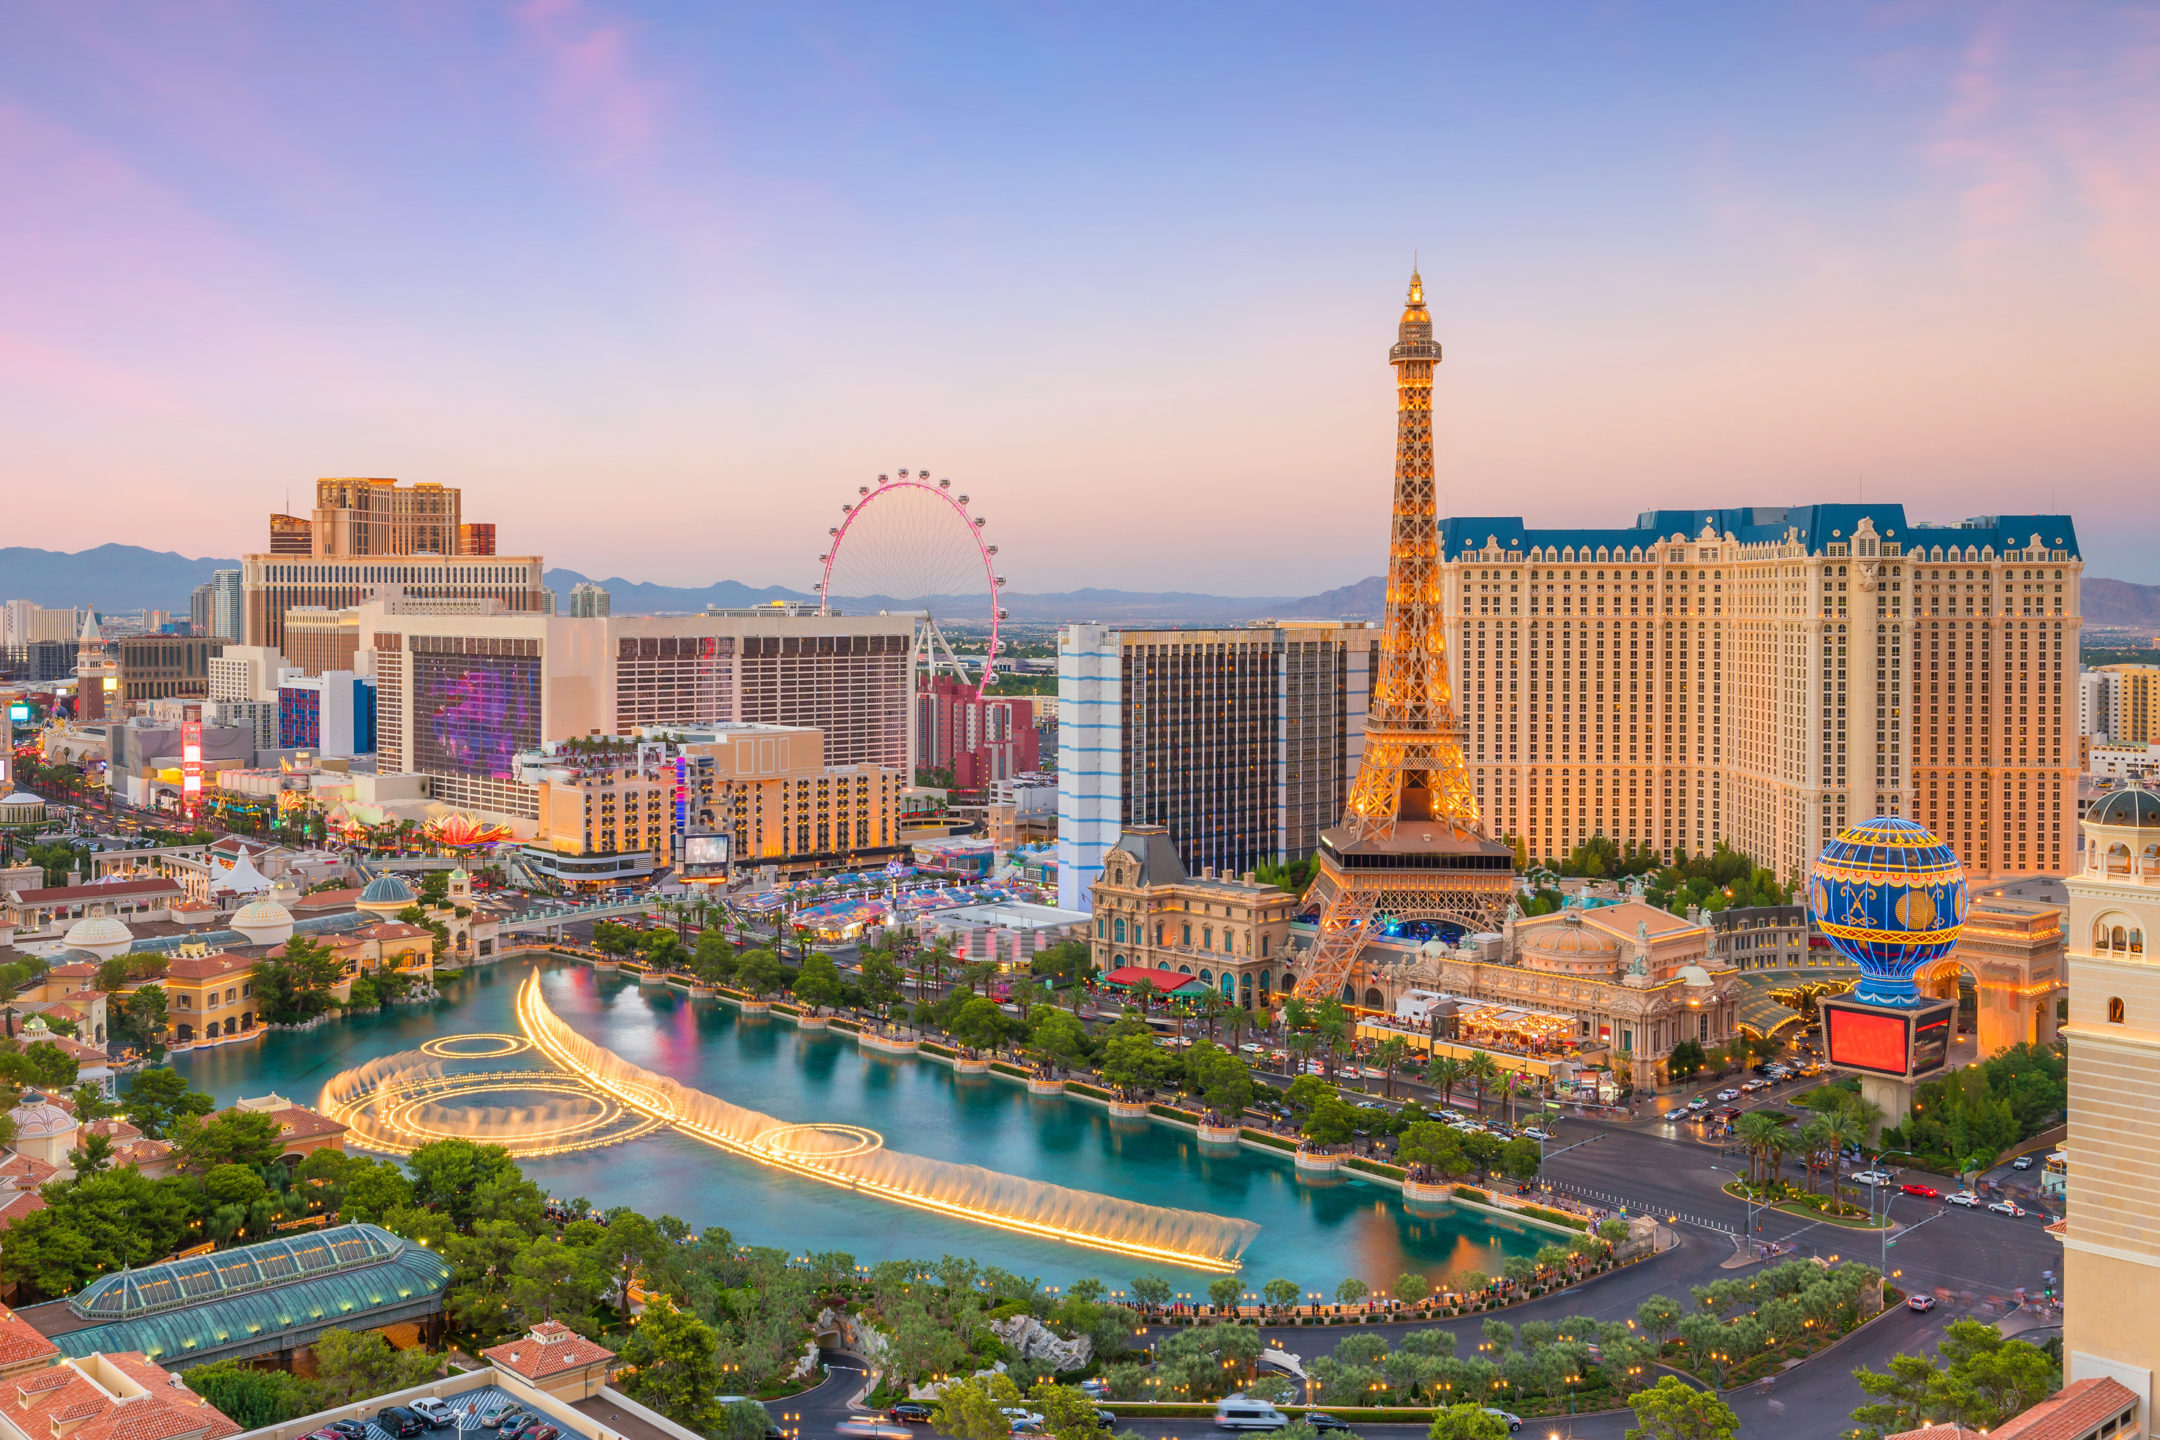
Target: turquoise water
{"x": 1313, "y": 1234}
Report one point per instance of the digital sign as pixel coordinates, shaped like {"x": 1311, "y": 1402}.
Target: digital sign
{"x": 1903, "y": 1042}
{"x": 1873, "y": 1040}
{"x": 704, "y": 855}
{"x": 21, "y": 713}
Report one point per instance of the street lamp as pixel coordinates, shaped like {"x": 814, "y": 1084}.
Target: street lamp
{"x": 1745, "y": 1199}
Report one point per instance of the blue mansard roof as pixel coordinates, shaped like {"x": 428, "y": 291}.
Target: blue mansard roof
{"x": 1816, "y": 526}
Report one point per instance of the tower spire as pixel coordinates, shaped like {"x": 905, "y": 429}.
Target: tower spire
{"x": 1410, "y": 845}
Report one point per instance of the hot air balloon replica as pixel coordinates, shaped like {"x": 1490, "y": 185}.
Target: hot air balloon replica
{"x": 1891, "y": 898}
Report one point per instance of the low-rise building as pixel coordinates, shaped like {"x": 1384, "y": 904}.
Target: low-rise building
{"x": 105, "y": 1396}
{"x": 42, "y": 915}
{"x": 1008, "y": 933}
{"x": 556, "y": 1359}
{"x": 1231, "y": 933}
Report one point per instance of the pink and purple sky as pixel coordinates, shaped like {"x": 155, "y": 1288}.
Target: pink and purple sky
{"x": 660, "y": 285}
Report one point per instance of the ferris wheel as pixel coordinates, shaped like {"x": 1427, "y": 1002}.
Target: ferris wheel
{"x": 908, "y": 545}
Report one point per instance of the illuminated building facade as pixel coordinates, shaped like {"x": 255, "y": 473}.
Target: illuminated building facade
{"x": 980, "y": 738}
{"x": 460, "y": 697}
{"x": 1768, "y": 676}
{"x": 1227, "y": 931}
{"x": 2128, "y": 708}
{"x": 1239, "y": 741}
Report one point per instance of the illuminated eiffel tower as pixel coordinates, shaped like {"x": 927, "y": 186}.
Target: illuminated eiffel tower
{"x": 1410, "y": 846}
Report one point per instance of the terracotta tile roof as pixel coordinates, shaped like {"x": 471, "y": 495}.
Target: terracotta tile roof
{"x": 394, "y": 930}
{"x": 551, "y": 1348}
{"x": 207, "y": 967}
{"x": 67, "y": 1394}
{"x": 27, "y": 1171}
{"x": 1940, "y": 1432}
{"x": 27, "y": 1202}
{"x": 20, "y": 1342}
{"x": 114, "y": 1128}
{"x": 121, "y": 890}
{"x": 327, "y": 900}
{"x": 2072, "y": 1412}
{"x": 302, "y": 1123}
{"x": 140, "y": 1153}
{"x": 79, "y": 970}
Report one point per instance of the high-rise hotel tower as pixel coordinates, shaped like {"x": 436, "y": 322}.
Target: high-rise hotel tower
{"x": 1768, "y": 676}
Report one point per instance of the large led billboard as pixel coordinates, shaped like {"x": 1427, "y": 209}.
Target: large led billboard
{"x": 472, "y": 714}
{"x": 1879, "y": 1040}
{"x": 704, "y": 855}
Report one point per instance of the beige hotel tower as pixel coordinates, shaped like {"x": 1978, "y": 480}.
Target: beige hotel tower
{"x": 1768, "y": 676}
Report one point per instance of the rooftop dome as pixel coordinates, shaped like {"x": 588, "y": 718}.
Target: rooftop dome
{"x": 386, "y": 890}
{"x": 1570, "y": 944}
{"x": 2135, "y": 805}
{"x": 264, "y": 922}
{"x": 39, "y": 1119}
{"x": 101, "y": 935}
{"x": 1693, "y": 975}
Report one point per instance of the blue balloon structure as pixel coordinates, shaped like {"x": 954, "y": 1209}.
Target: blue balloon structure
{"x": 1891, "y": 898}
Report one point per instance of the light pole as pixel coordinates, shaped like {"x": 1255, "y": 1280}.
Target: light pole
{"x": 1747, "y": 1201}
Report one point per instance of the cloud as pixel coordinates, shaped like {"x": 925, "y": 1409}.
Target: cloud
{"x": 598, "y": 101}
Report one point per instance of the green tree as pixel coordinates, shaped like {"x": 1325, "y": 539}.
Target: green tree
{"x": 1435, "y": 1147}
{"x": 95, "y": 1224}
{"x": 141, "y": 1020}
{"x": 674, "y": 1360}
{"x": 1220, "y": 1077}
{"x": 372, "y": 1190}
{"x": 1224, "y": 1292}
{"x": 228, "y": 1137}
{"x": 1686, "y": 1060}
{"x": 817, "y": 984}
{"x": 1151, "y": 1290}
{"x": 1978, "y": 1380}
{"x": 1134, "y": 1063}
{"x": 881, "y": 980}
{"x": 1521, "y": 1159}
{"x": 449, "y": 1176}
{"x": 355, "y": 1365}
{"x": 1659, "y": 1318}
{"x": 1351, "y": 1290}
{"x": 1674, "y": 1410}
{"x": 1466, "y": 1422}
{"x": 252, "y": 1398}
{"x": 981, "y": 1024}
{"x": 156, "y": 1098}
{"x": 1331, "y": 1122}
{"x": 1280, "y": 1294}
{"x": 1058, "y": 1037}
{"x": 970, "y": 1407}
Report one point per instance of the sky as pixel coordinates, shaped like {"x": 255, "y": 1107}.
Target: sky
{"x": 660, "y": 286}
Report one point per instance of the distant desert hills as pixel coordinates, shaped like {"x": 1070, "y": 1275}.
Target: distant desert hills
{"x": 128, "y": 577}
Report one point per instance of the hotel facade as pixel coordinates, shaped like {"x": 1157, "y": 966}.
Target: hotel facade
{"x": 1766, "y": 677}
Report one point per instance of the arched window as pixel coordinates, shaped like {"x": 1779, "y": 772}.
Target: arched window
{"x": 1263, "y": 947}
{"x": 1101, "y": 927}
{"x": 1207, "y": 976}
{"x": 1117, "y": 930}
{"x": 1348, "y": 993}
{"x": 1158, "y": 932}
{"x": 2119, "y": 942}
{"x": 2100, "y": 935}
{"x": 1374, "y": 1000}
{"x": 2137, "y": 942}
{"x": 2115, "y": 1010}
{"x": 1229, "y": 986}
{"x": 1207, "y": 937}
{"x": 2118, "y": 860}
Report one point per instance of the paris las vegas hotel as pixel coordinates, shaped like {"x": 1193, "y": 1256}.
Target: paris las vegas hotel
{"x": 1767, "y": 676}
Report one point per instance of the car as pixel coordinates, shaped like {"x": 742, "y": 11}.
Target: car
{"x": 1020, "y": 1415}
{"x": 1513, "y": 1422}
{"x": 549, "y": 1432}
{"x": 1534, "y": 1133}
{"x": 1965, "y": 1199}
{"x": 2010, "y": 1208}
{"x": 1322, "y": 1421}
{"x": 324, "y": 1435}
{"x": 350, "y": 1429}
{"x": 438, "y": 1415}
{"x": 1094, "y": 1388}
{"x": 1700, "y": 1102}
{"x": 1925, "y": 1192}
{"x": 1241, "y": 1412}
{"x": 2023, "y": 1162}
{"x": 400, "y": 1422}
{"x": 1920, "y": 1303}
{"x": 1105, "y": 1419}
{"x": 909, "y": 1412}
{"x": 1728, "y": 1094}
{"x": 1869, "y": 1177}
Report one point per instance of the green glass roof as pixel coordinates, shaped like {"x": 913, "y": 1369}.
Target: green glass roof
{"x": 230, "y": 1272}
{"x": 405, "y": 1285}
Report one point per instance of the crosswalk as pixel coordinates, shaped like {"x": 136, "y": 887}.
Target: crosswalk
{"x": 1642, "y": 1207}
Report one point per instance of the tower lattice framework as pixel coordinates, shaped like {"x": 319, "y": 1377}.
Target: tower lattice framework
{"x": 1410, "y": 845}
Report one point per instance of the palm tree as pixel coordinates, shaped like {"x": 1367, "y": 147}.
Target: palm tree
{"x": 1818, "y": 1144}
{"x": 1483, "y": 1072}
{"x": 1444, "y": 1073}
{"x": 1388, "y": 1054}
{"x": 1842, "y": 1129}
{"x": 1757, "y": 1130}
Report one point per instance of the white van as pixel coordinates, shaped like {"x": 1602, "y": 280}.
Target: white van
{"x": 1236, "y": 1412}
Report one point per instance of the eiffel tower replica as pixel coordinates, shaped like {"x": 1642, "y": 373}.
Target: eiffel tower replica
{"x": 1410, "y": 846}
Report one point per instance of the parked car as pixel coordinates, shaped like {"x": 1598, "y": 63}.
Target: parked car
{"x": 1963, "y": 1198}
{"x": 1238, "y": 1412}
{"x": 1105, "y": 1419}
{"x": 437, "y": 1413}
{"x": 1921, "y": 1303}
{"x": 399, "y": 1422}
{"x": 2010, "y": 1208}
{"x": 2023, "y": 1162}
{"x": 1322, "y": 1421}
{"x": 350, "y": 1429}
{"x": 1925, "y": 1192}
{"x": 909, "y": 1412}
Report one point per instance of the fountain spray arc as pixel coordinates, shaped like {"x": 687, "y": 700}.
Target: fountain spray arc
{"x": 853, "y": 1158}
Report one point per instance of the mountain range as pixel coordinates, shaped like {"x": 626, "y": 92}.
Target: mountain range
{"x": 129, "y": 577}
